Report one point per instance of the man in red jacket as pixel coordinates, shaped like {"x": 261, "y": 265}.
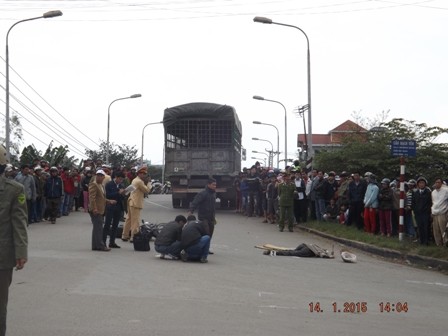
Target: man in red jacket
{"x": 69, "y": 191}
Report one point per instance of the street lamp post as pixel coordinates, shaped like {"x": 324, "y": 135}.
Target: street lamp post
{"x": 256, "y": 158}
{"x": 138, "y": 95}
{"x": 270, "y": 152}
{"x": 301, "y": 111}
{"x": 143, "y": 137}
{"x": 278, "y": 139}
{"x": 46, "y": 15}
{"x": 286, "y": 122}
{"x": 310, "y": 133}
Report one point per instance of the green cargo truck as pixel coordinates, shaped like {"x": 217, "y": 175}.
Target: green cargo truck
{"x": 202, "y": 140}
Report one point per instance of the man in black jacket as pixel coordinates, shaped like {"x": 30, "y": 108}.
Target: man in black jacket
{"x": 195, "y": 240}
{"x": 204, "y": 202}
{"x": 114, "y": 191}
{"x": 421, "y": 205}
{"x": 167, "y": 242}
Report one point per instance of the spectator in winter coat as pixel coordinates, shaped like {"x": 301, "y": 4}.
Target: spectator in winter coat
{"x": 408, "y": 214}
{"x": 69, "y": 191}
{"x": 272, "y": 198}
{"x": 421, "y": 205}
{"x": 318, "y": 188}
{"x": 439, "y": 211}
{"x": 300, "y": 205}
{"x": 385, "y": 207}
{"x": 53, "y": 193}
{"x": 85, "y": 187}
{"x": 371, "y": 205}
{"x": 330, "y": 188}
{"x": 356, "y": 192}
{"x": 27, "y": 180}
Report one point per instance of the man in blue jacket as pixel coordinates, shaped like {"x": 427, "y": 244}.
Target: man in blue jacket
{"x": 53, "y": 193}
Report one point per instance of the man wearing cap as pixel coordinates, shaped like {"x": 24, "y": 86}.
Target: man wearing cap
{"x": 97, "y": 207}
{"x": 53, "y": 192}
{"x": 135, "y": 204}
{"x": 286, "y": 192}
{"x": 13, "y": 234}
{"x": 108, "y": 177}
{"x": 421, "y": 205}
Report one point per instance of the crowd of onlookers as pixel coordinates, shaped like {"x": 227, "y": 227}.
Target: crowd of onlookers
{"x": 292, "y": 196}
{"x": 284, "y": 197}
{"x": 55, "y": 191}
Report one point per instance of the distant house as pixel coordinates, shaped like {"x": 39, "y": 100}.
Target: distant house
{"x": 335, "y": 137}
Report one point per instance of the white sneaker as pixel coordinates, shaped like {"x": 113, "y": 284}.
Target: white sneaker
{"x": 170, "y": 257}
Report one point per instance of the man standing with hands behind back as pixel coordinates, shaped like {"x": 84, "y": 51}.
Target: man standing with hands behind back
{"x": 135, "y": 203}
{"x": 13, "y": 234}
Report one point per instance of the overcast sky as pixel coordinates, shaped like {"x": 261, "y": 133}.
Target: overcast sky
{"x": 366, "y": 56}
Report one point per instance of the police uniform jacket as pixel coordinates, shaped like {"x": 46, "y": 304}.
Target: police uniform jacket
{"x": 137, "y": 196}
{"x": 13, "y": 223}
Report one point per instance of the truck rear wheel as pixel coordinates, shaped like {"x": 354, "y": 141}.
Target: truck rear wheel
{"x": 176, "y": 203}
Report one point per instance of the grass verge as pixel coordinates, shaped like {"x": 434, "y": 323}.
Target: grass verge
{"x": 406, "y": 246}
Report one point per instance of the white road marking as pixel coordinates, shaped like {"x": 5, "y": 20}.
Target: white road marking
{"x": 428, "y": 283}
{"x": 156, "y": 204}
{"x": 278, "y": 307}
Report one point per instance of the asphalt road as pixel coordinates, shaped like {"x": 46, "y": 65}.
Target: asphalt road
{"x": 67, "y": 289}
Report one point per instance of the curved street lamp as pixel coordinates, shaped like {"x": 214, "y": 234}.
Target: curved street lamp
{"x": 286, "y": 121}
{"x": 143, "y": 137}
{"x": 46, "y": 15}
{"x": 260, "y": 153}
{"x": 137, "y": 95}
{"x": 270, "y": 152}
{"x": 278, "y": 139}
{"x": 265, "y": 20}
{"x": 256, "y": 158}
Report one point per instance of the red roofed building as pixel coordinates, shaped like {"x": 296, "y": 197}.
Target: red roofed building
{"x": 335, "y": 137}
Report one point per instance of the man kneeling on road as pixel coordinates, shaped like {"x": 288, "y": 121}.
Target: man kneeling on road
{"x": 167, "y": 242}
{"x": 195, "y": 241}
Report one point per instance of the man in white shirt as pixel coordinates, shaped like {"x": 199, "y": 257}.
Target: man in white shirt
{"x": 439, "y": 211}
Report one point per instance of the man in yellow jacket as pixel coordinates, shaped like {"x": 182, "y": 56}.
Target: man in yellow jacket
{"x": 135, "y": 204}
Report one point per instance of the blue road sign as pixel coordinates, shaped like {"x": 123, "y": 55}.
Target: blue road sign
{"x": 403, "y": 147}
